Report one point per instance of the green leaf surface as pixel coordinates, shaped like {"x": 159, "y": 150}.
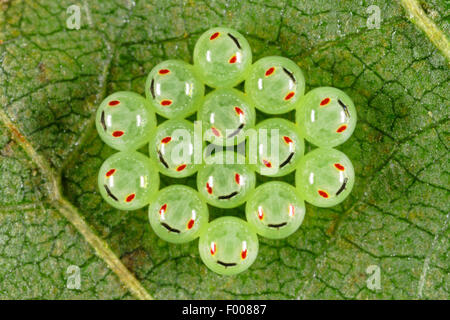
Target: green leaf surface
{"x": 53, "y": 78}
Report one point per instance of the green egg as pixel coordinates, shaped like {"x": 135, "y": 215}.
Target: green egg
{"x": 225, "y": 181}
{"x": 275, "y": 210}
{"x": 326, "y": 116}
{"x": 228, "y": 246}
{"x": 172, "y": 148}
{"x": 128, "y": 180}
{"x": 174, "y": 89}
{"x": 125, "y": 121}
{"x": 280, "y": 147}
{"x": 325, "y": 177}
{"x": 222, "y": 57}
{"x": 177, "y": 214}
{"x": 226, "y": 114}
{"x": 275, "y": 84}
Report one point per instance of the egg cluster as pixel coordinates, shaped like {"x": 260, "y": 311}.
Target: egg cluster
{"x": 128, "y": 180}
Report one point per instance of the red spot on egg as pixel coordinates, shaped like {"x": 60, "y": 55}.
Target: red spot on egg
{"x": 113, "y": 103}
{"x": 209, "y": 188}
{"x": 110, "y": 173}
{"x": 339, "y": 166}
{"x": 323, "y": 194}
{"x": 166, "y": 140}
{"x": 341, "y": 128}
{"x": 163, "y": 209}
{"x": 289, "y": 95}
{"x": 238, "y": 111}
{"x": 166, "y": 102}
{"x": 117, "y": 134}
{"x": 233, "y": 59}
{"x": 267, "y": 163}
{"x": 287, "y": 139}
{"x": 130, "y": 197}
{"x": 325, "y": 101}
{"x": 213, "y": 248}
{"x": 237, "y": 178}
{"x": 215, "y": 132}
{"x": 190, "y": 224}
{"x": 244, "y": 254}
{"x": 164, "y": 71}
{"x": 181, "y": 167}
{"x": 270, "y": 71}
{"x": 260, "y": 213}
{"x": 214, "y": 35}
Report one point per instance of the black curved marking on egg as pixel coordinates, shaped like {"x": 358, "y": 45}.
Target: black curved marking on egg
{"x": 162, "y": 160}
{"x": 344, "y": 107}
{"x": 102, "y": 120}
{"x": 152, "y": 88}
{"x": 110, "y": 193}
{"x": 236, "y": 132}
{"x": 288, "y": 159}
{"x": 279, "y": 225}
{"x": 165, "y": 225}
{"x": 235, "y": 40}
{"x": 343, "y": 186}
{"x": 290, "y": 74}
{"x": 228, "y": 196}
{"x": 226, "y": 264}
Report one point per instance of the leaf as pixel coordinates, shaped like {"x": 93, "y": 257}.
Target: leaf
{"x": 53, "y": 79}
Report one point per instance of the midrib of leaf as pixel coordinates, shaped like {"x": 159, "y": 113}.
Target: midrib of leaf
{"x": 58, "y": 201}
{"x": 417, "y": 16}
